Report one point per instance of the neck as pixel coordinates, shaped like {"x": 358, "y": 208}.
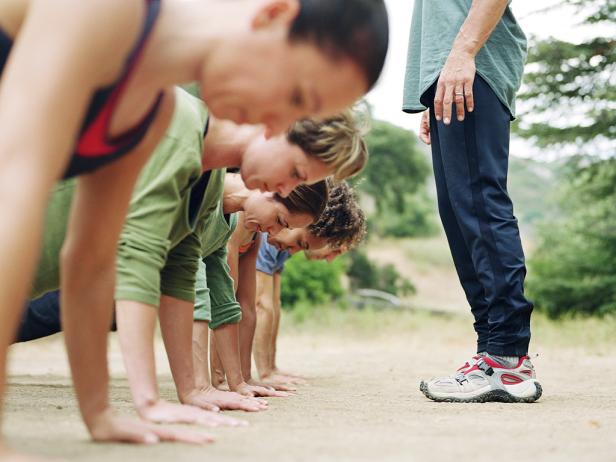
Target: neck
{"x": 235, "y": 194}
{"x": 225, "y": 143}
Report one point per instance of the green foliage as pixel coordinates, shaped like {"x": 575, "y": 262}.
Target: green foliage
{"x": 395, "y": 179}
{"x": 571, "y": 87}
{"x": 570, "y": 91}
{"x": 531, "y": 186}
{"x": 311, "y": 282}
{"x": 364, "y": 274}
{"x": 574, "y": 268}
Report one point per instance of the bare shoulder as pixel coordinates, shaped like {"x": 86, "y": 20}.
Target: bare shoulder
{"x": 238, "y": 236}
{"x": 100, "y": 32}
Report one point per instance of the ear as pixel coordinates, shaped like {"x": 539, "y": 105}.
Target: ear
{"x": 276, "y": 12}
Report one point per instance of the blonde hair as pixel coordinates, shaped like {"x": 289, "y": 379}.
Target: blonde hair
{"x": 338, "y": 141}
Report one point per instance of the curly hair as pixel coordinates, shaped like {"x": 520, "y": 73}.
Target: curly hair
{"x": 343, "y": 222}
{"x": 338, "y": 141}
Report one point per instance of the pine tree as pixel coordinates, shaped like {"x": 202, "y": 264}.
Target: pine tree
{"x": 570, "y": 88}
{"x": 570, "y": 94}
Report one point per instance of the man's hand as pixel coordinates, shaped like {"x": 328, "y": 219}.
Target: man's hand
{"x": 424, "y": 127}
{"x": 224, "y": 400}
{"x": 455, "y": 84}
{"x": 106, "y": 426}
{"x": 253, "y": 391}
{"x": 163, "y": 412}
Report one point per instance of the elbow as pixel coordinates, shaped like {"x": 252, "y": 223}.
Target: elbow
{"x": 80, "y": 266}
{"x": 264, "y": 305}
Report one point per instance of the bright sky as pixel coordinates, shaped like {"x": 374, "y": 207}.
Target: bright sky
{"x": 386, "y": 97}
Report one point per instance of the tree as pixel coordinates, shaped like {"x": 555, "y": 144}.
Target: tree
{"x": 395, "y": 179}
{"x": 574, "y": 268}
{"x": 570, "y": 88}
{"x": 570, "y": 91}
{"x": 313, "y": 282}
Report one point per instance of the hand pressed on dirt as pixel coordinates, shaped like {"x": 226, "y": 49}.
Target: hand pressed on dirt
{"x": 227, "y": 400}
{"x": 164, "y": 412}
{"x": 278, "y": 386}
{"x": 108, "y": 427}
{"x": 253, "y": 391}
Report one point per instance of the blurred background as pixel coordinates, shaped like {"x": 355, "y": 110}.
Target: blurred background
{"x": 366, "y": 328}
{"x": 562, "y": 180}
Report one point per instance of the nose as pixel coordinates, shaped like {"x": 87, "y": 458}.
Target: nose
{"x": 274, "y": 229}
{"x": 284, "y": 189}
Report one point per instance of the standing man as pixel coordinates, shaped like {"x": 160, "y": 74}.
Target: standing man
{"x": 465, "y": 65}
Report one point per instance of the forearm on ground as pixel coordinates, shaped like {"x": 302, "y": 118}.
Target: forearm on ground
{"x": 136, "y": 324}
{"x": 200, "y": 349}
{"x": 176, "y": 322}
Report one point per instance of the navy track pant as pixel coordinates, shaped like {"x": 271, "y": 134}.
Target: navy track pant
{"x": 470, "y": 161}
{"x": 41, "y": 318}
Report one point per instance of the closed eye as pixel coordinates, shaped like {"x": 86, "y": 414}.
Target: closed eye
{"x": 297, "y": 98}
{"x": 281, "y": 222}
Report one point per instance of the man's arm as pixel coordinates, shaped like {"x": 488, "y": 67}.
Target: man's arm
{"x": 226, "y": 314}
{"x": 246, "y": 290}
{"x": 455, "y": 83}
{"x": 265, "y": 323}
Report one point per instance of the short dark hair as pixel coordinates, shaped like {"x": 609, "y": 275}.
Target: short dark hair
{"x": 356, "y": 29}
{"x": 310, "y": 199}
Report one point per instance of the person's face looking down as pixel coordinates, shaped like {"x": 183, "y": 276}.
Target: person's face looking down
{"x": 275, "y": 165}
{"x": 262, "y": 78}
{"x": 263, "y": 213}
{"x": 296, "y": 240}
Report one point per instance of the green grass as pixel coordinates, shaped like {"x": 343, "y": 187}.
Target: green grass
{"x": 592, "y": 334}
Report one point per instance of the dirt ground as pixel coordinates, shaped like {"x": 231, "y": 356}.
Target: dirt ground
{"x": 362, "y": 403}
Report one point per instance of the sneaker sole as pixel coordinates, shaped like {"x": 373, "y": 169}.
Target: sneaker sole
{"x": 498, "y": 396}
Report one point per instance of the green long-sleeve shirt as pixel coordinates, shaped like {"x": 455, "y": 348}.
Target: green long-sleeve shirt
{"x": 158, "y": 250}
{"x": 216, "y": 301}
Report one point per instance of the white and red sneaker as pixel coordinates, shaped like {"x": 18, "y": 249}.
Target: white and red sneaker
{"x": 487, "y": 380}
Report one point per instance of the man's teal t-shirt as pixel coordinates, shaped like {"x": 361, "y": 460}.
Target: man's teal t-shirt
{"x": 435, "y": 25}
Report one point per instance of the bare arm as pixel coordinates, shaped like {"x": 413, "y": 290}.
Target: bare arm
{"x": 455, "y": 83}
{"x": 176, "y": 320}
{"x": 227, "y": 342}
{"x": 136, "y": 325}
{"x": 88, "y": 277}
{"x": 216, "y": 368}
{"x": 265, "y": 322}
{"x": 55, "y": 64}
{"x": 246, "y": 291}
